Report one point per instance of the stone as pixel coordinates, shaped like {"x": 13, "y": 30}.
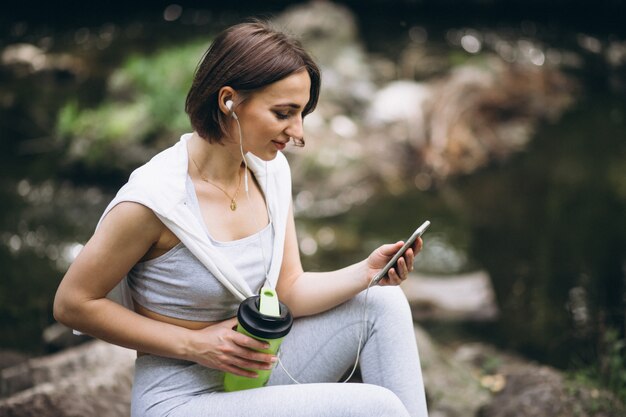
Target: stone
{"x": 10, "y": 358}
{"x": 521, "y": 387}
{"x": 452, "y": 387}
{"x": 58, "y": 337}
{"x": 466, "y": 297}
{"x": 93, "y": 379}
{"x": 538, "y": 391}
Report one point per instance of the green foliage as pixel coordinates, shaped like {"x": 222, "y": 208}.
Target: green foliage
{"x": 460, "y": 58}
{"x": 144, "y": 103}
{"x": 610, "y": 370}
{"x": 613, "y": 363}
{"x": 491, "y": 364}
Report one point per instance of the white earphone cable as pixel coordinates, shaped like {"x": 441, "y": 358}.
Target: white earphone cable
{"x": 266, "y": 272}
{"x": 256, "y": 220}
{"x": 359, "y": 347}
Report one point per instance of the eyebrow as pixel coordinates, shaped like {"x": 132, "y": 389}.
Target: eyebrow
{"x": 290, "y": 105}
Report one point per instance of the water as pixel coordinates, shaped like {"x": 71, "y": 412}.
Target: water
{"x": 547, "y": 223}
{"x": 550, "y": 229}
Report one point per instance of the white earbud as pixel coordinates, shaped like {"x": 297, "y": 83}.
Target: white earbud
{"x": 229, "y": 105}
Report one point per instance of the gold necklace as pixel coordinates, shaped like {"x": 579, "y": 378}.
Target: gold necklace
{"x": 233, "y": 202}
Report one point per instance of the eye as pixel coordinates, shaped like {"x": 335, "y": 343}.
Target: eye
{"x": 282, "y": 116}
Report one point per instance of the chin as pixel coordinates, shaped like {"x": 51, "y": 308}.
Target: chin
{"x": 265, "y": 156}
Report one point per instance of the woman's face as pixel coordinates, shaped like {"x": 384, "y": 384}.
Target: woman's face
{"x": 273, "y": 114}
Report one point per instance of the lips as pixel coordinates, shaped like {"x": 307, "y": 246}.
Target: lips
{"x": 279, "y": 145}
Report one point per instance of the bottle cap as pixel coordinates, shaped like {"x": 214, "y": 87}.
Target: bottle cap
{"x": 264, "y": 316}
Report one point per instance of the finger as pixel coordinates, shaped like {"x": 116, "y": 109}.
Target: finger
{"x": 390, "y": 249}
{"x": 403, "y": 270}
{"x": 247, "y": 348}
{"x": 253, "y": 355}
{"x": 232, "y": 355}
{"x": 417, "y": 246}
{"x": 245, "y": 358}
{"x": 254, "y": 365}
{"x": 249, "y": 342}
{"x": 396, "y": 279}
{"x": 250, "y": 359}
{"x": 239, "y": 371}
{"x": 393, "y": 278}
{"x": 409, "y": 259}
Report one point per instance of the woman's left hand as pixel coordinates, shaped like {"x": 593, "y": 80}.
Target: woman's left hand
{"x": 379, "y": 258}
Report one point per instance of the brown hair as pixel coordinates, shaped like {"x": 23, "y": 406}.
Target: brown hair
{"x": 246, "y": 57}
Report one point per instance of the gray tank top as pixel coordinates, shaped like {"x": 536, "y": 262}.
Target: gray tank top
{"x": 177, "y": 284}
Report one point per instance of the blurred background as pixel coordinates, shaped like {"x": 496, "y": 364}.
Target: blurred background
{"x": 502, "y": 122}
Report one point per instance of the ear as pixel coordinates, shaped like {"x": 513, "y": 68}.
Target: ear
{"x": 225, "y": 94}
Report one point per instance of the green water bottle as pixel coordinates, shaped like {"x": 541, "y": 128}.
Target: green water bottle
{"x": 264, "y": 318}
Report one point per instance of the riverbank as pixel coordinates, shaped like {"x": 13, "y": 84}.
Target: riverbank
{"x": 471, "y": 380}
{"x": 464, "y": 379}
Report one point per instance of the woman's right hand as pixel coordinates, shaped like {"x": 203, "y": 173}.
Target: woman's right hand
{"x": 221, "y": 347}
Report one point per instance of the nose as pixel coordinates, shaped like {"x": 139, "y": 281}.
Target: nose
{"x": 296, "y": 127}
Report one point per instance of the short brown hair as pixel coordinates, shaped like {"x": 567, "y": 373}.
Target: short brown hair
{"x": 246, "y": 57}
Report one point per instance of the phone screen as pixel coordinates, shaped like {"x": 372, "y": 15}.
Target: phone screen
{"x": 409, "y": 242}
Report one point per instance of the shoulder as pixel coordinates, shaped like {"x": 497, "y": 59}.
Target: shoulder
{"x": 159, "y": 184}
{"x": 132, "y": 210}
{"x": 131, "y": 218}
{"x": 169, "y": 162}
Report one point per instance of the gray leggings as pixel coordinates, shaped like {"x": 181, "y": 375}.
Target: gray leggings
{"x": 317, "y": 352}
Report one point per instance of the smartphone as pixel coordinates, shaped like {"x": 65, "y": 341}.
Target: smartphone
{"x": 409, "y": 242}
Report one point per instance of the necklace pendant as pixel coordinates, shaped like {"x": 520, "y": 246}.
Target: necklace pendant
{"x": 233, "y": 205}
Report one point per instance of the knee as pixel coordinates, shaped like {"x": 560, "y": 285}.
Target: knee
{"x": 388, "y": 301}
{"x": 375, "y": 400}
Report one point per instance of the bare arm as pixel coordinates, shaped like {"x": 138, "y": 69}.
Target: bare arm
{"x": 307, "y": 293}
{"x": 125, "y": 235}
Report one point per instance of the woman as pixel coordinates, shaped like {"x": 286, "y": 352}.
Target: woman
{"x": 205, "y": 224}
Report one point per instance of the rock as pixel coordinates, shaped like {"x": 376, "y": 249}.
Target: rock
{"x": 468, "y": 297}
{"x": 32, "y": 59}
{"x": 405, "y": 134}
{"x": 525, "y": 388}
{"x": 10, "y": 358}
{"x": 90, "y": 380}
{"x": 329, "y": 33}
{"x": 452, "y": 386}
{"x": 95, "y": 379}
{"x": 23, "y": 54}
{"x": 485, "y": 114}
{"x": 535, "y": 391}
{"x": 401, "y": 102}
{"x": 58, "y": 337}
{"x": 538, "y": 391}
